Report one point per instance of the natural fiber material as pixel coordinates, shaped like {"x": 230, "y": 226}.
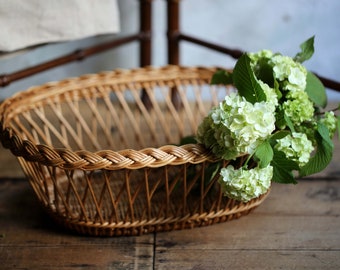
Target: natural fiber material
{"x": 101, "y": 151}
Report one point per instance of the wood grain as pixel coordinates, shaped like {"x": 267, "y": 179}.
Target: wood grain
{"x": 298, "y": 232}
{"x": 30, "y": 239}
{"x": 297, "y": 227}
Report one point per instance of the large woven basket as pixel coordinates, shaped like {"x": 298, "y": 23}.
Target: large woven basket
{"x": 101, "y": 151}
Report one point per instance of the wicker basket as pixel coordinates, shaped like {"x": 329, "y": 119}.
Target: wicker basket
{"x": 101, "y": 151}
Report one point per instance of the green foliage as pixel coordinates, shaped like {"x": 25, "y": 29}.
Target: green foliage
{"x": 283, "y": 168}
{"x": 288, "y": 122}
{"x": 315, "y": 90}
{"x": 278, "y": 135}
{"x": 211, "y": 171}
{"x": 264, "y": 154}
{"x": 323, "y": 155}
{"x": 307, "y": 50}
{"x": 222, "y": 77}
{"x": 338, "y": 126}
{"x": 188, "y": 140}
{"x": 264, "y": 72}
{"x": 287, "y": 149}
{"x": 246, "y": 82}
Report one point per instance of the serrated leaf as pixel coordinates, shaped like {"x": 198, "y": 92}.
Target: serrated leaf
{"x": 246, "y": 82}
{"x": 264, "y": 154}
{"x": 323, "y": 154}
{"x": 283, "y": 168}
{"x": 316, "y": 90}
{"x": 307, "y": 50}
{"x": 289, "y": 122}
{"x": 222, "y": 77}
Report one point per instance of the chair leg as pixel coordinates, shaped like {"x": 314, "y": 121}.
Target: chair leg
{"x": 145, "y": 18}
{"x": 173, "y": 31}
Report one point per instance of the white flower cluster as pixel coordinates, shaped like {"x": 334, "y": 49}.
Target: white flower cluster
{"x": 236, "y": 126}
{"x": 292, "y": 74}
{"x": 244, "y": 185}
{"x": 330, "y": 121}
{"x": 292, "y": 79}
{"x": 296, "y": 147}
{"x": 298, "y": 107}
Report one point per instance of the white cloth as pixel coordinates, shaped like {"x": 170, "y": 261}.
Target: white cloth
{"x": 27, "y": 23}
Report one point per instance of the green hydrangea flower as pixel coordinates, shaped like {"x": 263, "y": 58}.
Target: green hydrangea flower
{"x": 243, "y": 184}
{"x": 263, "y": 54}
{"x": 291, "y": 73}
{"x": 236, "y": 126}
{"x": 298, "y": 107}
{"x": 297, "y": 147}
{"x": 270, "y": 93}
{"x": 330, "y": 121}
{"x": 308, "y": 129}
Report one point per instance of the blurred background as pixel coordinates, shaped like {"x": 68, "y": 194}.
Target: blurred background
{"x": 249, "y": 25}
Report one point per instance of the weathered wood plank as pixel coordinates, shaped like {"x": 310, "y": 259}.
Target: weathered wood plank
{"x": 30, "y": 240}
{"x": 9, "y": 166}
{"x": 247, "y": 259}
{"x": 308, "y": 197}
{"x": 85, "y": 256}
{"x": 297, "y": 227}
{"x": 258, "y": 232}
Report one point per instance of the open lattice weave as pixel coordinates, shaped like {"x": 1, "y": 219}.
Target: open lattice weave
{"x": 101, "y": 151}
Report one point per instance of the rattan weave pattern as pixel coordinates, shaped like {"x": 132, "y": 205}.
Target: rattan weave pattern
{"x": 101, "y": 151}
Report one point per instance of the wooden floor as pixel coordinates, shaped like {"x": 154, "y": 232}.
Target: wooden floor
{"x": 297, "y": 227}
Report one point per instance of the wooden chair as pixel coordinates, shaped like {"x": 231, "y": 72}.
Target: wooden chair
{"x": 144, "y": 37}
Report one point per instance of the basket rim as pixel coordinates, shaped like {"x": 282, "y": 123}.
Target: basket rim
{"x": 105, "y": 159}
{"x": 171, "y": 72}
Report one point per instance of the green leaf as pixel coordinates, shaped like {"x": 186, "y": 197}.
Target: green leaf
{"x": 338, "y": 125}
{"x": 278, "y": 135}
{"x": 283, "y": 120}
{"x": 323, "y": 154}
{"x": 211, "y": 171}
{"x": 188, "y": 140}
{"x": 307, "y": 50}
{"x": 246, "y": 82}
{"x": 277, "y": 89}
{"x": 264, "y": 154}
{"x": 283, "y": 168}
{"x": 222, "y": 77}
{"x": 316, "y": 90}
{"x": 264, "y": 72}
{"x": 280, "y": 120}
{"x": 289, "y": 122}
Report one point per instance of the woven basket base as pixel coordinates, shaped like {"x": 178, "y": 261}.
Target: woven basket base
{"x": 191, "y": 222}
{"x": 165, "y": 215}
